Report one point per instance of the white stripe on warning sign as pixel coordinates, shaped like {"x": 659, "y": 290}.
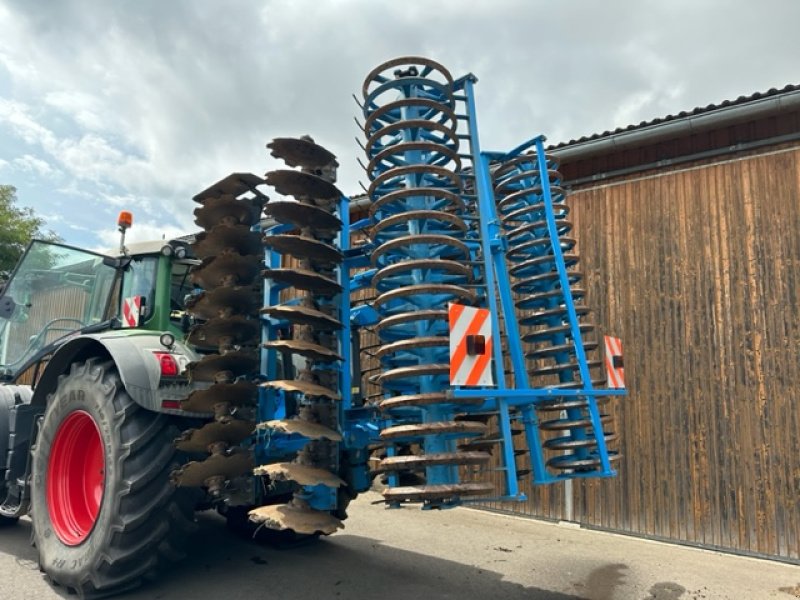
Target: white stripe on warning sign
{"x": 465, "y": 369}
{"x": 616, "y": 375}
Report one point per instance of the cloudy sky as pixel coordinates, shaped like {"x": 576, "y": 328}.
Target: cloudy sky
{"x": 106, "y": 105}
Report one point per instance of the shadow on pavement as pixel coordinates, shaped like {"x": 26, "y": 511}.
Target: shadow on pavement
{"x": 221, "y": 565}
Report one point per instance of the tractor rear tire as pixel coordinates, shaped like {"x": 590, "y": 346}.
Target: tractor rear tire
{"x": 105, "y": 514}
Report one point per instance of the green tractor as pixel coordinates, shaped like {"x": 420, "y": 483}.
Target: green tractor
{"x": 92, "y": 377}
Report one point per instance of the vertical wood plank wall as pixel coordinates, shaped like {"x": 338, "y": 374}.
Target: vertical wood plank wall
{"x": 698, "y": 271}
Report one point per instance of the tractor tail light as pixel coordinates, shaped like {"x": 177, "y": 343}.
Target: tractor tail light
{"x": 168, "y": 364}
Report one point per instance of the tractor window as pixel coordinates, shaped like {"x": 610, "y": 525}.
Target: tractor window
{"x": 55, "y": 291}
{"x": 140, "y": 280}
{"x": 181, "y": 288}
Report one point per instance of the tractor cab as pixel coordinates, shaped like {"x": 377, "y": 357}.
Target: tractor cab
{"x": 58, "y": 292}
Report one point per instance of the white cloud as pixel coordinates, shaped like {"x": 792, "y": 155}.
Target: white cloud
{"x": 152, "y": 101}
{"x": 36, "y": 166}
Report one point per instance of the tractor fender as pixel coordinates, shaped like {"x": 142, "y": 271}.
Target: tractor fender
{"x": 138, "y": 367}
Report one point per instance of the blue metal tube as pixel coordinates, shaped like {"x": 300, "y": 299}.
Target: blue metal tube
{"x": 521, "y": 396}
{"x": 490, "y": 231}
{"x": 563, "y": 277}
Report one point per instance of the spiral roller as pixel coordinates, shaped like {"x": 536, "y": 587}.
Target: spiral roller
{"x": 312, "y": 347}
{"x": 422, "y": 264}
{"x": 546, "y": 322}
{"x": 224, "y": 307}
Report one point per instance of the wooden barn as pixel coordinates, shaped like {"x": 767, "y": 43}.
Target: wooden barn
{"x": 688, "y": 229}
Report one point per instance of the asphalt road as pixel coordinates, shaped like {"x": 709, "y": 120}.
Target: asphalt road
{"x": 413, "y": 555}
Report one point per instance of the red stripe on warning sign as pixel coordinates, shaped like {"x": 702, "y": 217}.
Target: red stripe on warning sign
{"x": 616, "y": 376}
{"x": 461, "y": 351}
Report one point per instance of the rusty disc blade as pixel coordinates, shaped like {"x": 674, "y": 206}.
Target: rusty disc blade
{"x": 304, "y": 280}
{"x": 456, "y": 248}
{"x": 462, "y": 428}
{"x": 227, "y": 238}
{"x": 312, "y": 431}
{"x": 411, "y": 344}
{"x": 240, "y": 393}
{"x": 420, "y": 493}
{"x": 236, "y": 363}
{"x": 302, "y": 474}
{"x": 225, "y": 301}
{"x": 229, "y": 331}
{"x": 427, "y": 289}
{"x": 234, "y": 184}
{"x": 301, "y": 519}
{"x": 226, "y": 208}
{"x": 413, "y": 371}
{"x": 231, "y": 432}
{"x": 307, "y": 388}
{"x": 303, "y": 215}
{"x": 229, "y": 269}
{"x": 307, "y": 349}
{"x": 302, "y": 185}
{"x": 424, "y": 400}
{"x": 302, "y": 315}
{"x": 419, "y": 315}
{"x": 416, "y": 462}
{"x": 296, "y": 152}
{"x": 195, "y": 473}
{"x": 303, "y": 247}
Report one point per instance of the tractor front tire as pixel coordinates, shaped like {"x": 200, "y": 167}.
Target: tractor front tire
{"x": 105, "y": 515}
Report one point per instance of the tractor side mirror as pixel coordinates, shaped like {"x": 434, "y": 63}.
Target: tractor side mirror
{"x": 117, "y": 263}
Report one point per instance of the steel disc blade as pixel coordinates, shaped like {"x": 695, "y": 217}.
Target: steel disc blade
{"x": 312, "y": 431}
{"x": 306, "y": 349}
{"x": 454, "y": 428}
{"x": 302, "y": 315}
{"x": 411, "y": 345}
{"x": 304, "y": 280}
{"x": 422, "y": 493}
{"x": 304, "y": 387}
{"x": 302, "y": 185}
{"x": 430, "y": 398}
{"x": 413, "y": 372}
{"x": 303, "y": 215}
{"x": 301, "y": 519}
{"x": 301, "y": 153}
{"x": 302, "y": 474}
{"x": 234, "y": 363}
{"x": 222, "y": 301}
{"x": 194, "y": 474}
{"x": 215, "y": 210}
{"x": 234, "y": 184}
{"x": 303, "y": 247}
{"x": 416, "y": 462}
{"x": 228, "y": 269}
{"x": 231, "y": 432}
{"x": 238, "y": 330}
{"x": 241, "y": 393}
{"x": 222, "y": 238}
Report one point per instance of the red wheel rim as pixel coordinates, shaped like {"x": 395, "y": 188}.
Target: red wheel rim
{"x": 75, "y": 478}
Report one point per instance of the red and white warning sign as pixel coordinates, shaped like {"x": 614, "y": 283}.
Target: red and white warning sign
{"x": 131, "y": 309}
{"x": 470, "y": 345}
{"x": 614, "y": 364}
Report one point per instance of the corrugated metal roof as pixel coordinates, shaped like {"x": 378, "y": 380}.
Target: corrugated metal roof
{"x": 696, "y": 111}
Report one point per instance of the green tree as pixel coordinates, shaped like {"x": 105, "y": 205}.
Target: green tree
{"x": 17, "y": 227}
